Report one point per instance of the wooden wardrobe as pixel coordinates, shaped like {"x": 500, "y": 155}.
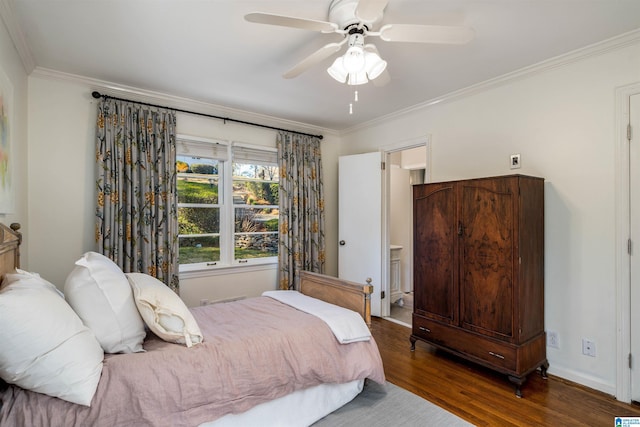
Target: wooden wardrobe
{"x": 479, "y": 272}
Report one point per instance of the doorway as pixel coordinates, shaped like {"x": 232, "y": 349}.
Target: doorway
{"x": 634, "y": 248}
{"x": 627, "y": 242}
{"x": 405, "y": 166}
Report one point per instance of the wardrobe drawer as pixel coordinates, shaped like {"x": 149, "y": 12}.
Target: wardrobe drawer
{"x": 466, "y": 344}
{"x": 429, "y": 330}
{"x": 496, "y": 354}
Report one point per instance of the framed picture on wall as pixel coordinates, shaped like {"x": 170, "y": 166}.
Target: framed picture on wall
{"x": 6, "y": 153}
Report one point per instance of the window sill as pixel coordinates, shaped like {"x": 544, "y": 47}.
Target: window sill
{"x": 188, "y": 272}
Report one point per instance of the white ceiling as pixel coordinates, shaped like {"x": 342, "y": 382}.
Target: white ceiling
{"x": 204, "y": 49}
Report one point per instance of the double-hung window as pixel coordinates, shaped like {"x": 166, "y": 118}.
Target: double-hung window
{"x": 227, "y": 204}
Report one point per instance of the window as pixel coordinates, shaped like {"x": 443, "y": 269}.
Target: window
{"x": 227, "y": 204}
{"x": 255, "y": 203}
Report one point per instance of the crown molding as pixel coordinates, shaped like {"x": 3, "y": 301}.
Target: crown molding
{"x": 17, "y": 35}
{"x": 113, "y": 89}
{"x": 614, "y": 43}
{"x": 172, "y": 101}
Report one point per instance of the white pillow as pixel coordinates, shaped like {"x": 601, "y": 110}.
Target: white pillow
{"x": 10, "y": 278}
{"x": 99, "y": 292}
{"x": 163, "y": 311}
{"x": 45, "y": 347}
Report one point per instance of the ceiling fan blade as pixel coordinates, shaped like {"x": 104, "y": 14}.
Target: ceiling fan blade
{"x": 426, "y": 34}
{"x": 370, "y": 10}
{"x": 311, "y": 60}
{"x": 288, "y": 21}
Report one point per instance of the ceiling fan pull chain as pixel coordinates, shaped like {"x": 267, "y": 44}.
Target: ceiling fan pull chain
{"x": 355, "y": 96}
{"x": 350, "y": 108}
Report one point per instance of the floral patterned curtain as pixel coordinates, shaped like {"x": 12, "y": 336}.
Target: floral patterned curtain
{"x": 301, "y": 242}
{"x": 136, "y": 215}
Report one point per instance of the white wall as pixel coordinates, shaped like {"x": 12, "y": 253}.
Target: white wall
{"x": 562, "y": 122}
{"x": 11, "y": 67}
{"x": 61, "y": 189}
{"x": 61, "y": 180}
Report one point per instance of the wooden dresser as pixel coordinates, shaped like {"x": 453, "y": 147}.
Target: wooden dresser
{"x": 479, "y": 272}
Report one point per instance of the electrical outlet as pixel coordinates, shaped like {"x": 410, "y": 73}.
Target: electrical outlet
{"x": 552, "y": 339}
{"x": 588, "y": 347}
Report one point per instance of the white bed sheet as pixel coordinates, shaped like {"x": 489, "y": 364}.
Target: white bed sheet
{"x": 347, "y": 325}
{"x": 298, "y": 409}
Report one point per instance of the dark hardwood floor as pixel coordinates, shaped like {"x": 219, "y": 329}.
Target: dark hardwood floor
{"x": 485, "y": 398}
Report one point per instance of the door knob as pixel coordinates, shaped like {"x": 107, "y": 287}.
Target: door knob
{"x": 342, "y": 242}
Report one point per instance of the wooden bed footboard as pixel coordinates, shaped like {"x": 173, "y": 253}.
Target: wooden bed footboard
{"x": 351, "y": 295}
{"x": 10, "y": 239}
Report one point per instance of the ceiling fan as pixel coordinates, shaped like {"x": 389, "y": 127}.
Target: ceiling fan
{"x": 356, "y": 20}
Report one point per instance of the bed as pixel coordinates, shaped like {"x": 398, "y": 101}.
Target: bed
{"x": 261, "y": 361}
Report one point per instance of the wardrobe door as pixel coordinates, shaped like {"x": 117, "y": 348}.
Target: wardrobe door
{"x": 487, "y": 252}
{"x": 435, "y": 252}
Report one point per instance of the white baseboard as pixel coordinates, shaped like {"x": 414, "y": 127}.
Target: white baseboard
{"x": 582, "y": 379}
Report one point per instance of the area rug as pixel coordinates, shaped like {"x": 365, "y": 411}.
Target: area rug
{"x": 386, "y": 405}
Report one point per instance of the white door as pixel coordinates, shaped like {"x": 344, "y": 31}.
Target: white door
{"x": 360, "y": 254}
{"x": 634, "y": 203}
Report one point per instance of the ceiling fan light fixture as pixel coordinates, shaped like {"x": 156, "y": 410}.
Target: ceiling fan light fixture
{"x": 354, "y": 61}
{"x": 357, "y": 78}
{"x": 337, "y": 70}
{"x": 374, "y": 65}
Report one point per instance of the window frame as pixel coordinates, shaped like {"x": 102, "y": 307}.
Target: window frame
{"x": 226, "y": 205}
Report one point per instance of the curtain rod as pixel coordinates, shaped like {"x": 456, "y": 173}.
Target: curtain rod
{"x": 98, "y": 95}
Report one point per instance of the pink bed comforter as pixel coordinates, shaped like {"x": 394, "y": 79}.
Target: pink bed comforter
{"x": 255, "y": 350}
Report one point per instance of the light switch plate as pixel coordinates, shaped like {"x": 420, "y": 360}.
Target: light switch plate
{"x": 515, "y": 161}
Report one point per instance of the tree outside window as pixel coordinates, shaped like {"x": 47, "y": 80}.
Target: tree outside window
{"x": 215, "y": 230}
